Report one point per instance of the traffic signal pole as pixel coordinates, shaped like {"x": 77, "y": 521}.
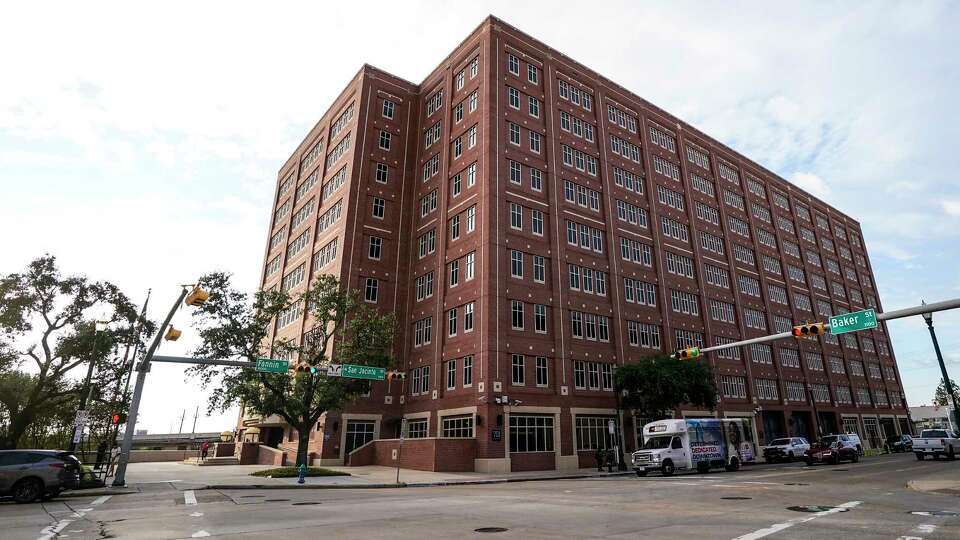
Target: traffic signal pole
{"x": 890, "y": 315}
{"x": 119, "y": 480}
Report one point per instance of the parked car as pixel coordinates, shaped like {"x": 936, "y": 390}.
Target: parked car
{"x": 936, "y": 442}
{"x": 833, "y": 449}
{"x": 854, "y": 439}
{"x": 28, "y": 475}
{"x": 899, "y": 443}
{"x": 787, "y": 448}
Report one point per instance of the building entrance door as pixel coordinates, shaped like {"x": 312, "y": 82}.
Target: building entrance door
{"x": 359, "y": 433}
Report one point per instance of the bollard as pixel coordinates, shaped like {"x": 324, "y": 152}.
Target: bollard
{"x": 303, "y": 473}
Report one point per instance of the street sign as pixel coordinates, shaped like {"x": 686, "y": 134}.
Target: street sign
{"x": 81, "y": 419}
{"x": 852, "y": 322}
{"x": 363, "y": 372}
{"x": 334, "y": 370}
{"x": 272, "y": 365}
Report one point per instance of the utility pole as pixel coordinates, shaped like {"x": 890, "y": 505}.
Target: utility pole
{"x": 119, "y": 480}
{"x": 85, "y": 392}
{"x": 193, "y": 431}
{"x": 182, "y": 416}
{"x": 947, "y": 383}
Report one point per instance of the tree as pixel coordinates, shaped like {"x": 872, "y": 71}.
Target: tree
{"x": 47, "y": 322}
{"x": 233, "y": 325}
{"x": 941, "y": 397}
{"x": 656, "y": 386}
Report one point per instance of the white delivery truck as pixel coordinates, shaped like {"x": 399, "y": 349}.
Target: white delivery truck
{"x": 700, "y": 444}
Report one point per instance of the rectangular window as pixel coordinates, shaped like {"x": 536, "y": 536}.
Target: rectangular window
{"x": 376, "y": 245}
{"x": 388, "y": 108}
{"x": 539, "y": 269}
{"x": 452, "y": 322}
{"x": 540, "y": 318}
{"x": 516, "y": 314}
{"x": 531, "y": 433}
{"x": 517, "y": 369}
{"x": 468, "y": 371}
{"x": 371, "y": 290}
{"x": 468, "y": 317}
{"x": 516, "y": 264}
{"x": 458, "y": 427}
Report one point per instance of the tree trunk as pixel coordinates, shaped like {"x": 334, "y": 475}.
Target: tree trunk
{"x": 303, "y": 444}
{"x": 18, "y": 426}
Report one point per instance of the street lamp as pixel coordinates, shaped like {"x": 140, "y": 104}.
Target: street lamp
{"x": 928, "y": 317}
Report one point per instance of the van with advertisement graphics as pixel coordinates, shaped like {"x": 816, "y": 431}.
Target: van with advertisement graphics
{"x": 694, "y": 444}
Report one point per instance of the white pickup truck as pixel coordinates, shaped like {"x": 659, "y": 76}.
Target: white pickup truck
{"x": 936, "y": 443}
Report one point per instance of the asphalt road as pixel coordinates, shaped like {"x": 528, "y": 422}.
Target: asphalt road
{"x": 866, "y": 500}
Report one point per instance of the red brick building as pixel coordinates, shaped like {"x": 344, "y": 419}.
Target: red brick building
{"x": 534, "y": 225}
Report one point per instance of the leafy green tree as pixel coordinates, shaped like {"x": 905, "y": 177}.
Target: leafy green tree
{"x": 941, "y": 397}
{"x": 47, "y": 324}
{"x": 656, "y": 386}
{"x": 235, "y": 325}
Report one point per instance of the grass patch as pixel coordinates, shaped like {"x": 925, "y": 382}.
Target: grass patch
{"x": 870, "y": 452}
{"x": 292, "y": 472}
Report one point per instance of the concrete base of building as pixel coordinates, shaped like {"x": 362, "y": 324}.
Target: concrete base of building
{"x": 568, "y": 463}
{"x": 492, "y": 465}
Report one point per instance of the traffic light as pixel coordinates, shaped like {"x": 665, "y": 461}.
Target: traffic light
{"x": 172, "y": 334}
{"x": 692, "y": 352}
{"x": 118, "y": 419}
{"x": 197, "y": 297}
{"x": 396, "y": 375}
{"x": 809, "y": 330}
{"x": 304, "y": 367}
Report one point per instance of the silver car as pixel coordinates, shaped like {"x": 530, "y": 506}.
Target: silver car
{"x": 28, "y": 475}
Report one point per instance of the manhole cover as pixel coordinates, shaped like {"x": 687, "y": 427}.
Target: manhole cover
{"x": 278, "y": 500}
{"x": 935, "y": 513}
{"x": 305, "y": 503}
{"x": 491, "y": 529}
{"x": 813, "y": 509}
{"x": 796, "y": 484}
{"x": 736, "y": 498}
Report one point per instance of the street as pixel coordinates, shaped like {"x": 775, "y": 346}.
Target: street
{"x": 867, "y": 499}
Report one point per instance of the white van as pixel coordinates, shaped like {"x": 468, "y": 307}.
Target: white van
{"x": 701, "y": 444}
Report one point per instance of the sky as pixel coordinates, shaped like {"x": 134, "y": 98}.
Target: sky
{"x": 140, "y": 144}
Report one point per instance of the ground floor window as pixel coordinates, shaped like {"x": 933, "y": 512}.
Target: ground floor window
{"x": 850, "y": 425}
{"x": 593, "y": 433}
{"x": 417, "y": 429}
{"x": 531, "y": 433}
{"x": 359, "y": 433}
{"x": 458, "y": 427}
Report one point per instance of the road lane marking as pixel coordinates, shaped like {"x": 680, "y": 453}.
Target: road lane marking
{"x": 189, "y": 498}
{"x": 196, "y": 514}
{"x": 101, "y": 500}
{"x": 777, "y": 527}
{"x": 200, "y": 534}
{"x": 926, "y": 528}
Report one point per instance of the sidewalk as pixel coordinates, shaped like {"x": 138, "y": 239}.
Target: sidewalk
{"x": 946, "y": 487}
{"x": 174, "y": 475}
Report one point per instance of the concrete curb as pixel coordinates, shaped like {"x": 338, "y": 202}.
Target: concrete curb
{"x": 441, "y": 483}
{"x": 98, "y": 492}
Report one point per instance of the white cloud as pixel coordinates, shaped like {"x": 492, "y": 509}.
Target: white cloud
{"x": 952, "y": 208}
{"x": 812, "y": 183}
{"x": 892, "y": 251}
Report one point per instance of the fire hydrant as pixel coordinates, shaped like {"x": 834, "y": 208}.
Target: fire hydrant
{"x": 302, "y": 470}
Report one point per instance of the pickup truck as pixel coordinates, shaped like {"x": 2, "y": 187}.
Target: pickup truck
{"x": 936, "y": 442}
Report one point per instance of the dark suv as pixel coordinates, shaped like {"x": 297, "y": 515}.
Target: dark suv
{"x": 899, "y": 443}
{"x": 28, "y": 475}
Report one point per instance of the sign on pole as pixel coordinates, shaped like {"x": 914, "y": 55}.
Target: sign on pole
{"x": 334, "y": 370}
{"x": 852, "y": 322}
{"x": 81, "y": 419}
{"x": 272, "y": 365}
{"x": 364, "y": 372}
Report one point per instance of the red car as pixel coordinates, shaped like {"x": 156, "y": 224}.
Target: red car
{"x": 833, "y": 449}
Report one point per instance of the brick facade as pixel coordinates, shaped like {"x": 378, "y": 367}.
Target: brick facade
{"x": 578, "y": 227}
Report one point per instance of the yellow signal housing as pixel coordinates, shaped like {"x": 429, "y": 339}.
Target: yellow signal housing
{"x": 197, "y": 297}
{"x": 172, "y": 334}
{"x": 692, "y": 352}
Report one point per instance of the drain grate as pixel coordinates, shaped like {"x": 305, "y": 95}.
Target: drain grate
{"x": 946, "y": 513}
{"x": 840, "y": 470}
{"x": 736, "y": 498}
{"x": 491, "y": 529}
{"x": 251, "y": 496}
{"x": 305, "y": 503}
{"x": 813, "y": 508}
{"x": 796, "y": 484}
{"x": 277, "y": 500}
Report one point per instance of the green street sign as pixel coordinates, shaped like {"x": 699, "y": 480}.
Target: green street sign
{"x": 852, "y": 322}
{"x": 272, "y": 365}
{"x": 363, "y": 372}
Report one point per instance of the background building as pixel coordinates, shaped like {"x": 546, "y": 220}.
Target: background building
{"x": 534, "y": 225}
{"x": 932, "y": 417}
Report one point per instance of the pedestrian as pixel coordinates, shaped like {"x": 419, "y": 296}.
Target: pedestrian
{"x": 204, "y": 448}
{"x": 599, "y": 456}
{"x": 101, "y": 454}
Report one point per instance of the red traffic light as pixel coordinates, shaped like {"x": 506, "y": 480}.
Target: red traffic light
{"x": 115, "y": 419}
